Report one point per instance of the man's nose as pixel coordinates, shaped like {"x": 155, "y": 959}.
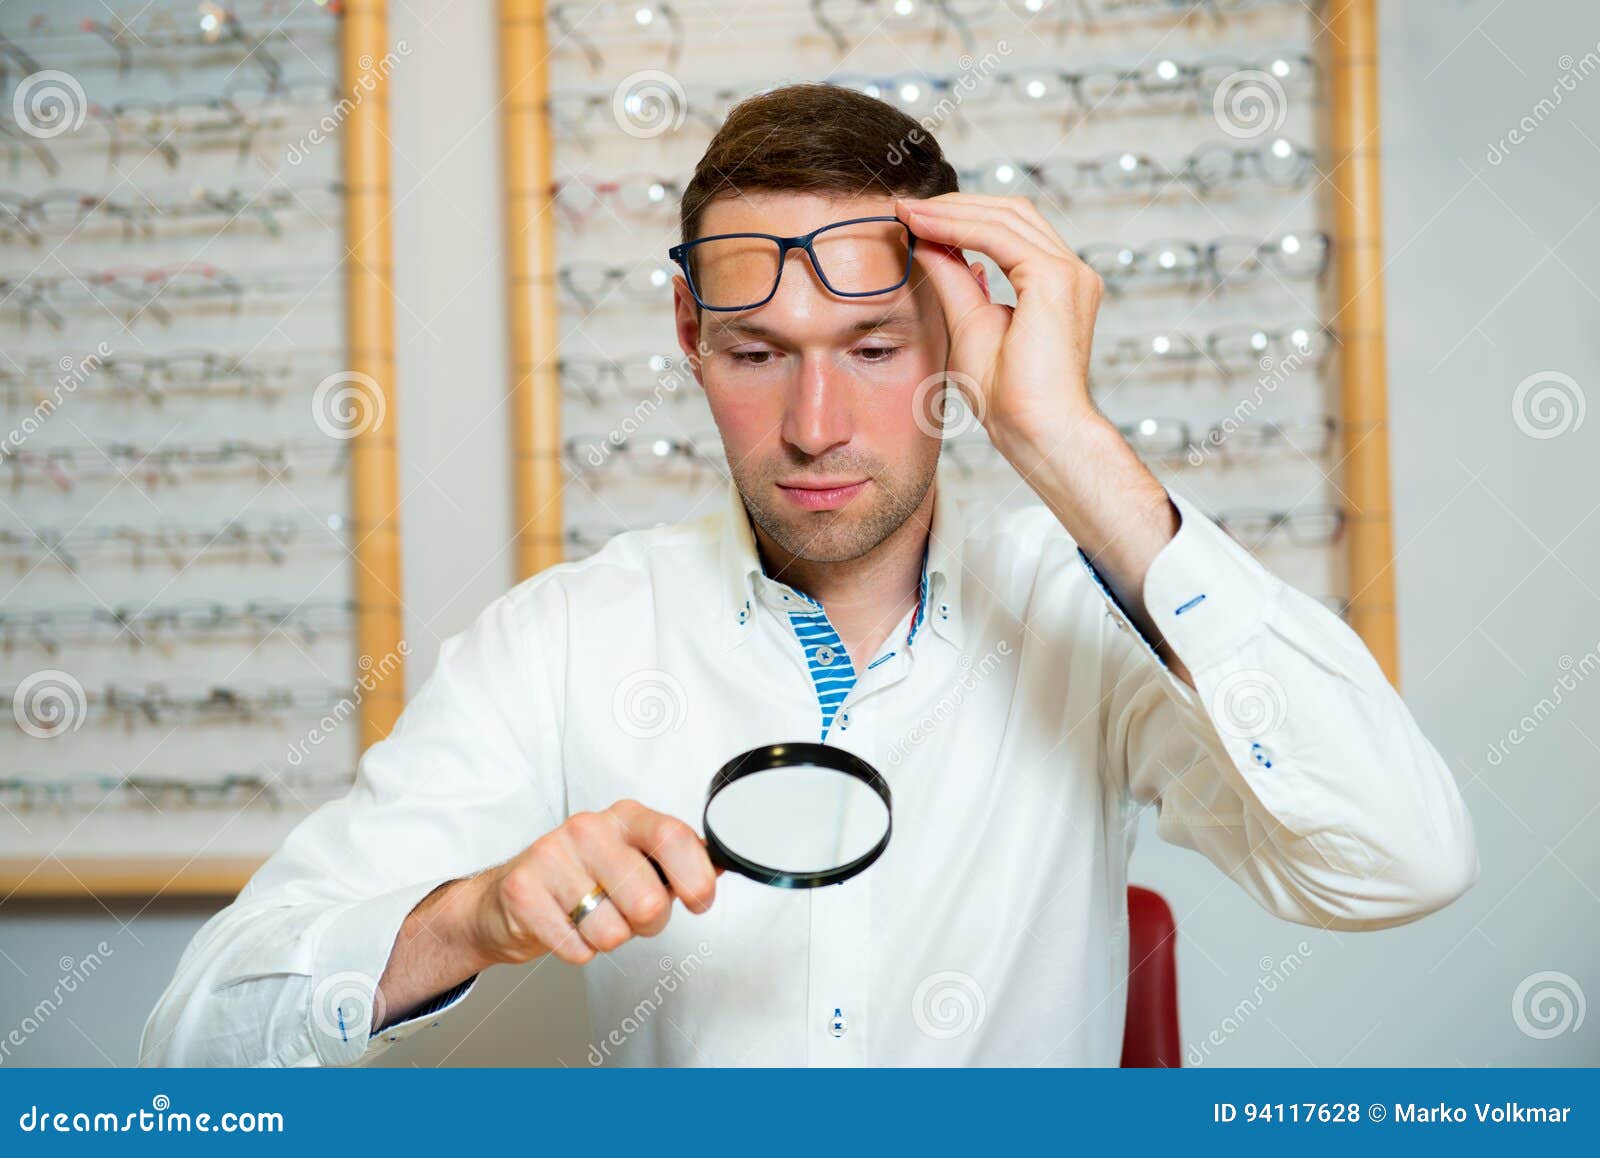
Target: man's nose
{"x": 817, "y": 417}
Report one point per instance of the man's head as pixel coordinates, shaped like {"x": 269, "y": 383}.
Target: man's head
{"x": 813, "y": 388}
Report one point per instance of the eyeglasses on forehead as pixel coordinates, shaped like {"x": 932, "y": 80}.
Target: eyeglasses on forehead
{"x": 859, "y": 279}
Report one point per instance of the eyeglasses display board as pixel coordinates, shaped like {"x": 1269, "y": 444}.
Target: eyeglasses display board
{"x": 193, "y": 508}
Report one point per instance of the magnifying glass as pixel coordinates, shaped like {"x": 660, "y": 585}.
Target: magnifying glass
{"x": 797, "y": 816}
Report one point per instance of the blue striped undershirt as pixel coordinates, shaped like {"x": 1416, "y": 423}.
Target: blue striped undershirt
{"x": 834, "y": 679}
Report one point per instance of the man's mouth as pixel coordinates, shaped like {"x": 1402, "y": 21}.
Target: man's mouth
{"x": 824, "y": 495}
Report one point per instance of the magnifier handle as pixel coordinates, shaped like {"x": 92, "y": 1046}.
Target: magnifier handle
{"x": 662, "y": 873}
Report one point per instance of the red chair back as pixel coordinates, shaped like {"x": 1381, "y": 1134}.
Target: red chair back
{"x": 1150, "y": 1039}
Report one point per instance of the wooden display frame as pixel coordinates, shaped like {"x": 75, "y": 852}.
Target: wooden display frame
{"x": 1348, "y": 48}
{"x": 374, "y": 485}
{"x": 531, "y": 308}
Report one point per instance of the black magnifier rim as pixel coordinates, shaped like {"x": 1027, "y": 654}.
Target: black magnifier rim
{"x": 768, "y": 757}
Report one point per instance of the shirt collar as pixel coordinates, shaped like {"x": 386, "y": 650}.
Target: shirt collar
{"x": 745, "y": 584}
{"x": 946, "y": 539}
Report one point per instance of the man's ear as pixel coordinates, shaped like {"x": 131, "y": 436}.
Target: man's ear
{"x": 981, "y": 272}
{"x": 687, "y": 323}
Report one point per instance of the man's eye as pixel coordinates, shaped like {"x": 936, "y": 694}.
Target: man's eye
{"x": 878, "y": 353}
{"x": 750, "y": 357}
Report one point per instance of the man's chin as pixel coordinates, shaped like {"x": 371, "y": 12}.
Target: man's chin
{"x": 823, "y": 537}
{"x": 837, "y": 535}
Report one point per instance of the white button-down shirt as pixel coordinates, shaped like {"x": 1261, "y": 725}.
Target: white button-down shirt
{"x": 1021, "y": 730}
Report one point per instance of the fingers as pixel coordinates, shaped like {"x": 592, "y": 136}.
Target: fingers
{"x": 1019, "y": 212}
{"x": 954, "y": 283}
{"x": 1001, "y": 233}
{"x": 571, "y": 878}
{"x": 1011, "y": 231}
{"x": 549, "y": 922}
{"x": 975, "y": 324}
{"x": 640, "y": 858}
{"x": 542, "y": 888}
{"x": 674, "y": 846}
{"x": 631, "y": 883}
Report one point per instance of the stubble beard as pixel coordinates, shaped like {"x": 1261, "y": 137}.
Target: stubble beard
{"x": 833, "y": 536}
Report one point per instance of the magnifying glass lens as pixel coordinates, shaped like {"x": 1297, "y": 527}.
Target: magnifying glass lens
{"x": 797, "y": 816}
{"x": 801, "y": 819}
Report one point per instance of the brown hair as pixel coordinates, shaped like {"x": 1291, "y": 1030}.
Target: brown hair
{"x": 816, "y": 138}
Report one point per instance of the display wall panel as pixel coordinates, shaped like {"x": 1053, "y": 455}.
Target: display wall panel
{"x": 199, "y": 625}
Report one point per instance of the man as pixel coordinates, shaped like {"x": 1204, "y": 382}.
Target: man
{"x": 1025, "y": 684}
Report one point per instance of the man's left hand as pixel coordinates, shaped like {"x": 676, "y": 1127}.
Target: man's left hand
{"x": 1024, "y": 369}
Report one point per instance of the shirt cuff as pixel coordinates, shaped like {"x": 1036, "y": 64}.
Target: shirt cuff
{"x": 351, "y": 954}
{"x": 425, "y": 1017}
{"x": 1204, "y": 592}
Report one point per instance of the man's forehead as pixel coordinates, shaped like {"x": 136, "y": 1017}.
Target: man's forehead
{"x": 786, "y": 214}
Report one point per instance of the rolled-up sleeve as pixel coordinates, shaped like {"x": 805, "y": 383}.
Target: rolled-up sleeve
{"x": 287, "y": 974}
{"x": 1292, "y": 764}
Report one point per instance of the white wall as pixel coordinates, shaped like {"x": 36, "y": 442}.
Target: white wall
{"x": 1490, "y": 279}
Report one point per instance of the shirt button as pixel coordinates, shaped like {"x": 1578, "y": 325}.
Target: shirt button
{"x": 825, "y": 655}
{"x": 836, "y": 1025}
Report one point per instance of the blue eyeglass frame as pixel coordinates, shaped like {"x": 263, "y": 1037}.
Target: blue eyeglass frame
{"x": 680, "y": 254}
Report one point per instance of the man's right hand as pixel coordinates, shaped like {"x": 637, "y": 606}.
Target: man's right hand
{"x": 521, "y": 907}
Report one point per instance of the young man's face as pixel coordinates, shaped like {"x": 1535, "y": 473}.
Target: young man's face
{"x": 815, "y": 394}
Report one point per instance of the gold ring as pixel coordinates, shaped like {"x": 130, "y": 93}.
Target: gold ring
{"x": 589, "y": 904}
